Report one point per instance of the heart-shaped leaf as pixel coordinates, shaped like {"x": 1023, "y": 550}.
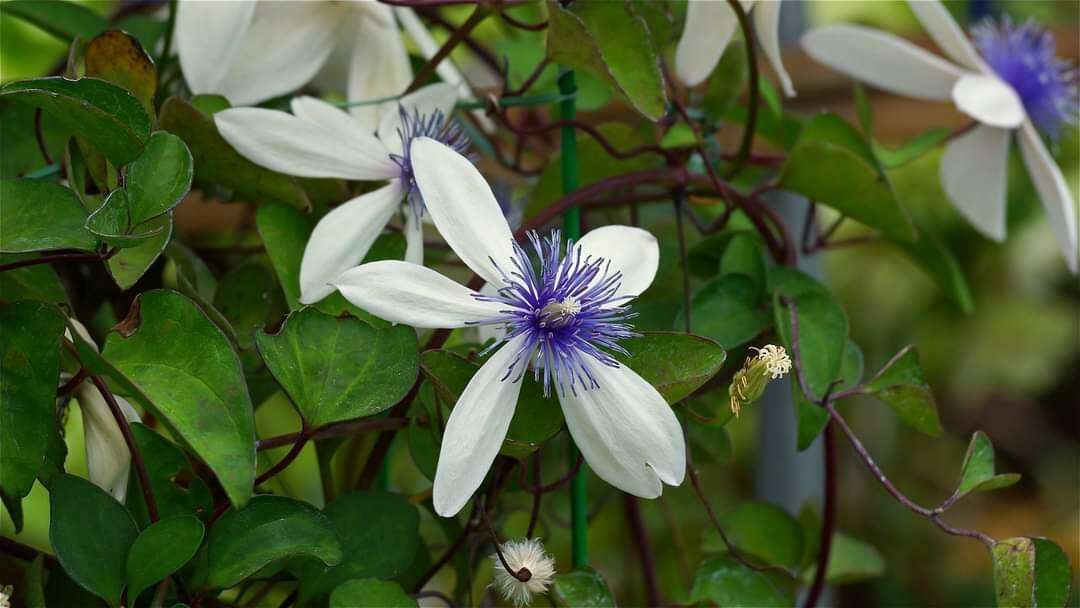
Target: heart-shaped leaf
{"x": 160, "y": 550}
{"x": 676, "y": 364}
{"x": 581, "y": 588}
{"x": 977, "y": 472}
{"x": 901, "y": 386}
{"x": 370, "y": 593}
{"x": 726, "y": 309}
{"x": 131, "y": 263}
{"x": 1030, "y": 573}
{"x": 38, "y": 216}
{"x": 725, "y": 582}
{"x": 159, "y": 178}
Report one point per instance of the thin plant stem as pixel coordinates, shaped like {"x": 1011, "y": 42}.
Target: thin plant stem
{"x": 40, "y": 135}
{"x": 281, "y": 465}
{"x": 828, "y": 524}
{"x": 640, "y": 536}
{"x": 534, "y": 515}
{"x": 684, "y": 258}
{"x": 59, "y": 257}
{"x": 752, "y": 103}
{"x": 460, "y": 33}
{"x": 133, "y": 448}
{"x": 170, "y": 26}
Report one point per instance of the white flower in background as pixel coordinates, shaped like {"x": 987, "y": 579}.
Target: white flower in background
{"x": 710, "y": 25}
{"x": 1013, "y": 84}
{"x": 108, "y": 460}
{"x": 319, "y": 140}
{"x": 6, "y": 592}
{"x": 538, "y": 565}
{"x": 565, "y": 319}
{"x": 250, "y": 51}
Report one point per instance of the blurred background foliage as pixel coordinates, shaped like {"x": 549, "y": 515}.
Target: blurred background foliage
{"x": 1010, "y": 368}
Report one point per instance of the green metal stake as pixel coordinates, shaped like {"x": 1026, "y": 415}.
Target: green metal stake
{"x": 579, "y": 507}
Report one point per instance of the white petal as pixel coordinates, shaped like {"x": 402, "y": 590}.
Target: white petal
{"x": 632, "y": 251}
{"x": 208, "y": 34}
{"x": 767, "y": 26}
{"x": 708, "y": 30}
{"x": 476, "y": 429}
{"x": 412, "y": 294}
{"x": 107, "y": 458}
{"x": 342, "y": 238}
{"x": 989, "y": 100}
{"x": 973, "y": 172}
{"x": 82, "y": 331}
{"x": 283, "y": 142}
{"x": 937, "y": 21}
{"x": 463, "y": 208}
{"x": 335, "y": 120}
{"x": 426, "y": 101}
{"x": 626, "y": 431}
{"x": 414, "y": 237}
{"x": 377, "y": 12}
{"x": 379, "y": 68}
{"x": 284, "y": 48}
{"x": 1057, "y": 198}
{"x": 882, "y": 60}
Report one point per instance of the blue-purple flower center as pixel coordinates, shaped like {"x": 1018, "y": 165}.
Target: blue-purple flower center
{"x": 567, "y": 308}
{"x": 437, "y": 127}
{"x": 1024, "y": 56}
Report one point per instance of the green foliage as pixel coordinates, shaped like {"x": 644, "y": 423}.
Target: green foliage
{"x": 30, "y": 362}
{"x": 184, "y": 369}
{"x": 160, "y": 550}
{"x": 165, "y": 464}
{"x": 39, "y": 216}
{"x": 850, "y": 561}
{"x": 584, "y": 588}
{"x": 901, "y": 386}
{"x": 269, "y": 528}
{"x": 370, "y": 593}
{"x": 92, "y": 534}
{"x": 726, "y": 309}
{"x": 338, "y": 368}
{"x": 1030, "y": 573}
{"x": 762, "y": 531}
{"x": 725, "y": 582}
{"x": 131, "y": 263}
{"x": 118, "y": 57}
{"x": 65, "y": 20}
{"x": 109, "y": 117}
{"x": 676, "y": 364}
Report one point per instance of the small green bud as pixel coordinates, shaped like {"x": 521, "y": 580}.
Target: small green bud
{"x": 770, "y": 363}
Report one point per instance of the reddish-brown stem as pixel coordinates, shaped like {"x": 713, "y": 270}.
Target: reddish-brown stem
{"x": 640, "y": 537}
{"x": 521, "y": 574}
{"x": 40, "y": 134}
{"x": 828, "y": 524}
{"x": 71, "y": 384}
{"x": 752, "y": 103}
{"x": 530, "y": 80}
{"x": 459, "y": 34}
{"x": 133, "y": 448}
{"x": 336, "y": 429}
{"x": 280, "y": 465}
{"x": 521, "y": 25}
{"x": 59, "y": 257}
{"x": 555, "y": 485}
{"x": 534, "y": 514}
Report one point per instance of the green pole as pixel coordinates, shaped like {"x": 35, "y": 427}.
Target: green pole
{"x": 579, "y": 507}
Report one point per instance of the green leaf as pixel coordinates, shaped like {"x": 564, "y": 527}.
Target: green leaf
{"x": 823, "y": 334}
{"x": 942, "y": 266}
{"x": 582, "y": 588}
{"x": 160, "y": 550}
{"x": 65, "y": 20}
{"x": 1053, "y": 574}
{"x": 1031, "y": 572}
{"x": 680, "y": 135}
{"x": 709, "y": 442}
{"x": 726, "y": 582}
{"x": 30, "y": 366}
{"x": 243, "y": 298}
{"x": 370, "y": 593}
{"x": 285, "y": 231}
{"x": 159, "y": 178}
{"x": 913, "y": 149}
{"x": 608, "y": 39}
{"x": 726, "y": 83}
{"x": 109, "y": 117}
{"x": 676, "y": 364}
{"x": 38, "y": 282}
{"x": 726, "y": 309}
{"x": 91, "y": 534}
{"x": 977, "y": 472}
{"x": 188, "y": 374}
{"x": 131, "y": 263}
{"x": 536, "y": 418}
{"x": 165, "y": 464}
{"x": 111, "y": 222}
{"x": 339, "y": 368}
{"x": 39, "y": 216}
{"x": 761, "y": 530}
{"x": 850, "y": 561}
{"x": 379, "y": 537}
{"x": 832, "y": 164}
{"x": 118, "y": 57}
{"x": 216, "y": 162}
{"x": 901, "y": 386}
{"x": 743, "y": 255}
{"x": 269, "y": 528}
{"x": 811, "y": 418}
{"x": 30, "y": 591}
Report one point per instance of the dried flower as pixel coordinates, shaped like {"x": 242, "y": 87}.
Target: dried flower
{"x": 530, "y": 562}
{"x": 770, "y": 362}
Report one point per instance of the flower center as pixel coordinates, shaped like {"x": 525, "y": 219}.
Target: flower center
{"x": 566, "y": 307}
{"x": 1023, "y": 56}
{"x": 437, "y": 127}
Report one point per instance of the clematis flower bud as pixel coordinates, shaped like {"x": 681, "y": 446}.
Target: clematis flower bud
{"x": 770, "y": 363}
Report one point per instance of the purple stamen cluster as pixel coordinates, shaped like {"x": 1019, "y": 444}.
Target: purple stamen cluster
{"x": 437, "y": 127}
{"x": 567, "y": 309}
{"x": 1024, "y": 56}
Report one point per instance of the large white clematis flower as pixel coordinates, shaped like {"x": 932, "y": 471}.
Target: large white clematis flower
{"x": 320, "y": 140}
{"x": 1012, "y": 86}
{"x": 108, "y": 460}
{"x": 710, "y": 24}
{"x": 563, "y": 319}
{"x": 250, "y": 51}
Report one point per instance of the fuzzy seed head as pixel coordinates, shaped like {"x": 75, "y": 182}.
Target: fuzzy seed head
{"x": 528, "y": 554}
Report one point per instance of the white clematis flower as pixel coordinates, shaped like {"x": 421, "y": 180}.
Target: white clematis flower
{"x": 1014, "y": 85}
{"x": 320, "y": 140}
{"x": 563, "y": 320}
{"x": 250, "y": 51}
{"x": 710, "y": 25}
{"x": 108, "y": 460}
